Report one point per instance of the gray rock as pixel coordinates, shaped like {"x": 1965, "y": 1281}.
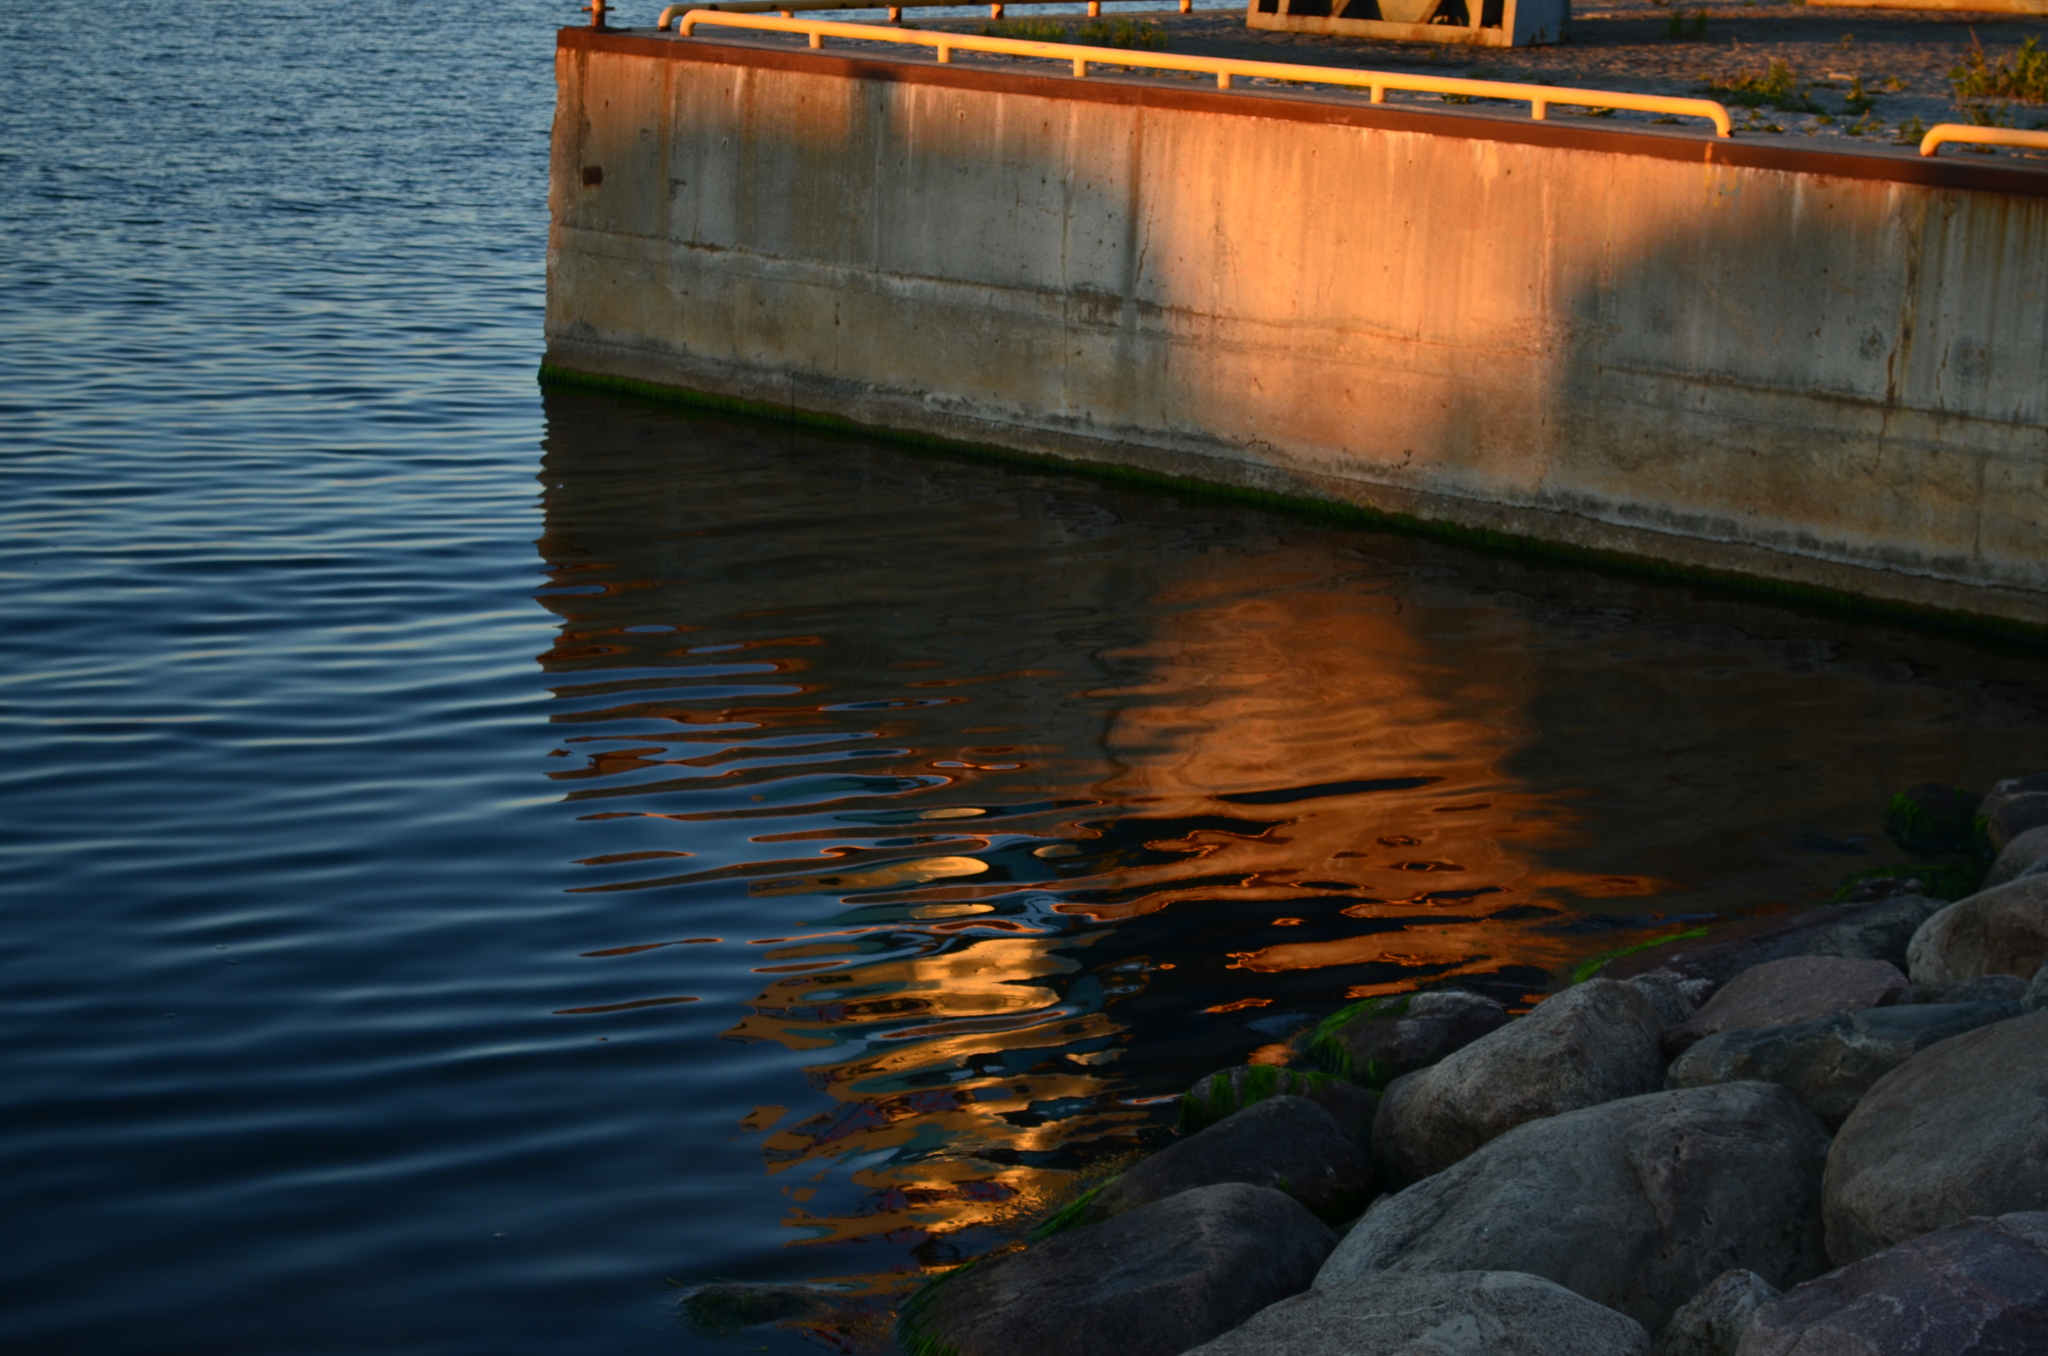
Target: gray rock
{"x": 1460, "y": 1313}
{"x": 2001, "y": 931}
{"x": 1592, "y": 1043}
{"x": 1982, "y": 989}
{"x": 1396, "y": 1035}
{"x": 2036, "y": 996}
{"x": 1960, "y": 1129}
{"x": 1152, "y": 1282}
{"x": 726, "y": 1307}
{"x": 2011, "y": 789}
{"x": 1786, "y": 992}
{"x": 1872, "y": 888}
{"x": 1287, "y": 1143}
{"x": 1829, "y": 1065}
{"x": 1933, "y": 818}
{"x": 1974, "y": 1289}
{"x": 2025, "y": 853}
{"x": 1636, "y": 1204}
{"x": 1229, "y": 1091}
{"x": 1712, "y": 1322}
{"x": 1877, "y": 930}
{"x": 2013, "y": 807}
{"x": 2014, "y": 818}
{"x": 1675, "y": 998}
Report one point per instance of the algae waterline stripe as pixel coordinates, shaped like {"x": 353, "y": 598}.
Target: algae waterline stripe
{"x": 1330, "y": 511}
{"x": 1902, "y": 165}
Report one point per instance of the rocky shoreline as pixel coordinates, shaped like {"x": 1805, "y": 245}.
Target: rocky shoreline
{"x": 1823, "y": 1135}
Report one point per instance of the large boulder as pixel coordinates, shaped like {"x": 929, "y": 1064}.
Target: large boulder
{"x": 2036, "y": 996}
{"x": 1871, "y": 930}
{"x": 1829, "y": 1065}
{"x": 1287, "y": 1143}
{"x": 1229, "y": 1091}
{"x": 1982, "y": 989}
{"x": 1459, "y": 1313}
{"x": 1712, "y": 1322}
{"x": 2026, "y": 854}
{"x": 1387, "y": 1037}
{"x": 2001, "y": 931}
{"x": 1152, "y": 1282}
{"x": 1960, "y": 1129}
{"x": 1636, "y": 1204}
{"x": 1979, "y": 1288}
{"x": 1787, "y": 992}
{"x": 1675, "y": 999}
{"x": 2013, "y": 807}
{"x": 1592, "y": 1043}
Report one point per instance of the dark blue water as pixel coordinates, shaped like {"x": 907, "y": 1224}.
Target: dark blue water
{"x": 473, "y": 860}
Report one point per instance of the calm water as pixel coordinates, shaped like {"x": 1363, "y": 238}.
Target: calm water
{"x": 473, "y": 858}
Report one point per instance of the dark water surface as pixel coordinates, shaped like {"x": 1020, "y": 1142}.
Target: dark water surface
{"x": 471, "y": 857}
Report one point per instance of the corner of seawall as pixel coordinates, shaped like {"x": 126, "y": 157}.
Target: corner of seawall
{"x": 1329, "y": 511}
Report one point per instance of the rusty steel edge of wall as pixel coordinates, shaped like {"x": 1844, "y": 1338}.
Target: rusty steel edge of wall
{"x": 756, "y": 377}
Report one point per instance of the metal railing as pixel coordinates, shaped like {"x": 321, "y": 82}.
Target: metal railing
{"x": 1540, "y": 98}
{"x": 1956, "y": 133}
{"x": 788, "y": 8}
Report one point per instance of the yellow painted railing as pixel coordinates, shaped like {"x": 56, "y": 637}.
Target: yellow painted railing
{"x": 788, "y": 8}
{"x": 1540, "y": 98}
{"x": 1950, "y": 133}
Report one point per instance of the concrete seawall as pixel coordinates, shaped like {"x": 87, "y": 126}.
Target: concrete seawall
{"x": 1819, "y": 369}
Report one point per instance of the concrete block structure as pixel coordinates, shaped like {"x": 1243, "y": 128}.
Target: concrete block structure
{"x": 1810, "y": 369}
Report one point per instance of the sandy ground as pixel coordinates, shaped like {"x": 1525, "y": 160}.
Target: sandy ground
{"x": 1899, "y": 61}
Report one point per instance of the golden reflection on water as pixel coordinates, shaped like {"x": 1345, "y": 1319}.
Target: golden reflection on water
{"x": 1358, "y": 776}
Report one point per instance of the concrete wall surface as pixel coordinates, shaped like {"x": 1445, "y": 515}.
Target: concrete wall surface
{"x": 1816, "y": 369}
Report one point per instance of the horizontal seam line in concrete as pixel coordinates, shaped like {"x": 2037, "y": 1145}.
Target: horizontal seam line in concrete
{"x": 1924, "y": 172}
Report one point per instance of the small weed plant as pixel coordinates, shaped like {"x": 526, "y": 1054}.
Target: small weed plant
{"x": 1028, "y": 30}
{"x": 1133, "y": 34}
{"x": 1678, "y": 27}
{"x": 1777, "y": 88}
{"x": 2022, "y": 77}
